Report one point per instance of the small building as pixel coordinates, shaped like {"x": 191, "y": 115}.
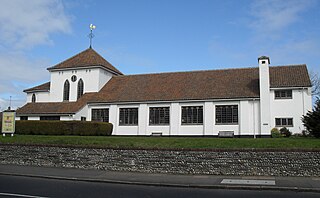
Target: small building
{"x": 238, "y": 102}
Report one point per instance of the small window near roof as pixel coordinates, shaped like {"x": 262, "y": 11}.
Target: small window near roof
{"x": 283, "y": 94}
{"x": 33, "y": 99}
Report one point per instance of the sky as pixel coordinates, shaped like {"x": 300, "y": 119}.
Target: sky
{"x": 152, "y": 36}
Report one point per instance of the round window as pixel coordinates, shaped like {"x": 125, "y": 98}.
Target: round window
{"x": 73, "y": 78}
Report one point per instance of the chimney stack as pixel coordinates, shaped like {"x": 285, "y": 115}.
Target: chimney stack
{"x": 264, "y": 83}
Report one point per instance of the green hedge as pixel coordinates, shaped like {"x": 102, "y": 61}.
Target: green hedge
{"x": 30, "y": 127}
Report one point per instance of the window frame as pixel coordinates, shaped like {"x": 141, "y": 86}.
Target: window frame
{"x": 283, "y": 94}
{"x": 33, "y": 98}
{"x": 189, "y": 117}
{"x": 158, "y": 111}
{"x": 131, "y": 116}
{"x": 100, "y": 111}
{"x": 80, "y": 88}
{"x": 234, "y": 118}
{"x": 66, "y": 90}
{"x": 284, "y": 122}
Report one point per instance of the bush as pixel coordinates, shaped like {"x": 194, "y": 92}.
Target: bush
{"x": 285, "y": 132}
{"x": 275, "y": 133}
{"x": 63, "y": 128}
{"x": 312, "y": 120}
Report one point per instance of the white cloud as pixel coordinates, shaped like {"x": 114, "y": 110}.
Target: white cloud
{"x": 25, "y": 24}
{"x": 270, "y": 17}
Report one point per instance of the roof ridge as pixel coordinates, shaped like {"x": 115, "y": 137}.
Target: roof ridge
{"x": 208, "y": 70}
{"x": 69, "y": 58}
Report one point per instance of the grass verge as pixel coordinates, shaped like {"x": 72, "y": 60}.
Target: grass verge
{"x": 164, "y": 142}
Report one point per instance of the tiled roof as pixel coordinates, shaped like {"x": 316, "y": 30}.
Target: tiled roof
{"x": 198, "y": 85}
{"x": 42, "y": 87}
{"x": 289, "y": 76}
{"x": 54, "y": 107}
{"x": 195, "y": 85}
{"x": 86, "y": 58}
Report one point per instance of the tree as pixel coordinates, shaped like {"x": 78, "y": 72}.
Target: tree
{"x": 312, "y": 120}
{"x": 315, "y": 82}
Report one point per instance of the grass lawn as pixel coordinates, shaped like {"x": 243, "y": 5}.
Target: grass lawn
{"x": 165, "y": 142}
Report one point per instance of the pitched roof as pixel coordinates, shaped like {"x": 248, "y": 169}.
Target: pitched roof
{"x": 86, "y": 58}
{"x": 198, "y": 85}
{"x": 54, "y": 107}
{"x": 42, "y": 87}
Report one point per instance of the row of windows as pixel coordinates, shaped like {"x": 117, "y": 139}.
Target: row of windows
{"x": 66, "y": 89}
{"x": 225, "y": 114}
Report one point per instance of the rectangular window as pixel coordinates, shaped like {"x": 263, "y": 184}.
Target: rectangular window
{"x": 283, "y": 94}
{"x": 23, "y": 117}
{"x": 128, "y": 116}
{"x": 284, "y": 122}
{"x": 100, "y": 115}
{"x": 83, "y": 118}
{"x": 192, "y": 115}
{"x": 227, "y": 114}
{"x": 49, "y": 117}
{"x": 159, "y": 115}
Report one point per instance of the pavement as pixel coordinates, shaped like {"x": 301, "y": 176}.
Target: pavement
{"x": 299, "y": 184}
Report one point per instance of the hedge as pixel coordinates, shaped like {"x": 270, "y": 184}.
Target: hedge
{"x": 30, "y": 127}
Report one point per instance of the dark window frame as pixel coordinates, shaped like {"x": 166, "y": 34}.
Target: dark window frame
{"x": 50, "y": 118}
{"x": 66, "y": 90}
{"x": 283, "y": 94}
{"x": 129, "y": 116}
{"x": 80, "y": 89}
{"x": 227, "y": 114}
{"x": 159, "y": 116}
{"x": 284, "y": 122}
{"x": 100, "y": 115}
{"x": 192, "y": 115}
{"x": 33, "y": 98}
{"x": 23, "y": 117}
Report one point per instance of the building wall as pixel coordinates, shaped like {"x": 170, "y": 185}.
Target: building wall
{"x": 94, "y": 79}
{"x": 247, "y": 112}
{"x": 40, "y": 96}
{"x": 299, "y": 105}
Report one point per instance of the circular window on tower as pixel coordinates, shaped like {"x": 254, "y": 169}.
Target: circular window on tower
{"x": 73, "y": 78}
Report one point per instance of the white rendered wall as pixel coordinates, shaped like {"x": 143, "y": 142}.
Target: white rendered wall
{"x": 248, "y": 119}
{"x": 264, "y": 83}
{"x": 299, "y": 105}
{"x": 93, "y": 79}
{"x": 40, "y": 97}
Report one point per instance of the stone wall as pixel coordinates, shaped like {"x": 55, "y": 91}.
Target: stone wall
{"x": 242, "y": 163}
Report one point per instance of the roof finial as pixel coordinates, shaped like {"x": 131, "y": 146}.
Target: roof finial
{"x": 91, "y": 35}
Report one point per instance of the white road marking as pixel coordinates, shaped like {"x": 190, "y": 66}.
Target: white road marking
{"x": 249, "y": 182}
{"x": 20, "y": 195}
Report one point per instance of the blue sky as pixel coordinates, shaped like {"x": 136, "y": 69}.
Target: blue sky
{"x": 150, "y": 36}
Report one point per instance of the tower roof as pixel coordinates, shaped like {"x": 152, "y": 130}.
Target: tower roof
{"x": 86, "y": 58}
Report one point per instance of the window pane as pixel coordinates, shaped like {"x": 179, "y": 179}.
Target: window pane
{"x": 278, "y": 122}
{"x": 227, "y": 114}
{"x": 192, "y": 115}
{"x": 128, "y": 116}
{"x": 283, "y": 121}
{"x": 290, "y": 122}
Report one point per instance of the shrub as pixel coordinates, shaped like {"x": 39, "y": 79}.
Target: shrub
{"x": 285, "y": 132}
{"x": 312, "y": 120}
{"x": 275, "y": 133}
{"x": 63, "y": 128}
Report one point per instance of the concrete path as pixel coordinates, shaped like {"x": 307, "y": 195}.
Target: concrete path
{"x": 305, "y": 184}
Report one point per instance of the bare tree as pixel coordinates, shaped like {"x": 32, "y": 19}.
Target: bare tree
{"x": 315, "y": 82}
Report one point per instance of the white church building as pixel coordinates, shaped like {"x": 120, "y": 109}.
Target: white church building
{"x": 239, "y": 102}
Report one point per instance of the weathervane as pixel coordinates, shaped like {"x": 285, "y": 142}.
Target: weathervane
{"x": 91, "y": 35}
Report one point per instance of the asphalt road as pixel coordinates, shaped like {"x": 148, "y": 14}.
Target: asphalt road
{"x": 18, "y": 186}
